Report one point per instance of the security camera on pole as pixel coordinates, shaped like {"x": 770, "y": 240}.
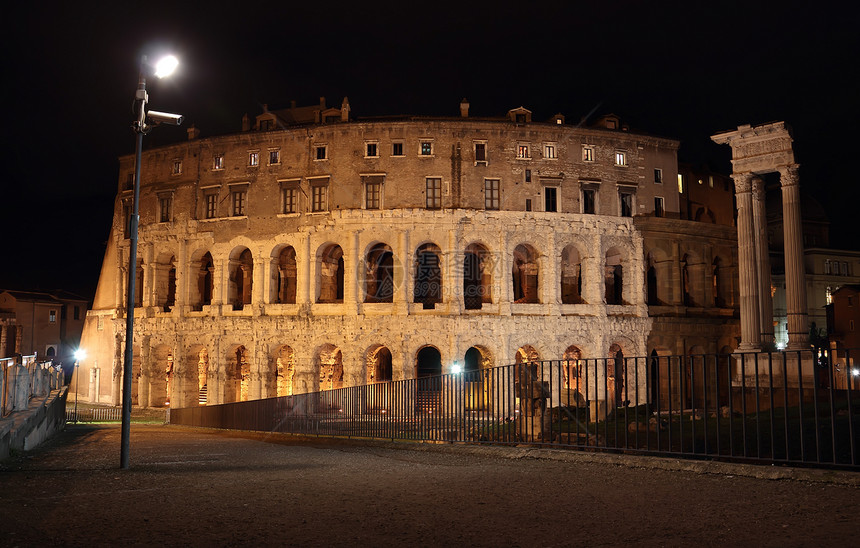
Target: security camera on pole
{"x": 163, "y": 68}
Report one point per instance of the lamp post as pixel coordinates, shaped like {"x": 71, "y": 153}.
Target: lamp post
{"x": 80, "y": 354}
{"x": 163, "y": 68}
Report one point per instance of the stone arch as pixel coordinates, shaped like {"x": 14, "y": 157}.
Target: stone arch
{"x": 428, "y": 369}
{"x": 614, "y": 276}
{"x": 616, "y": 376}
{"x": 241, "y": 276}
{"x": 525, "y": 273}
{"x": 195, "y": 376}
{"x": 161, "y": 375}
{"x": 571, "y": 275}
{"x": 237, "y": 374}
{"x": 202, "y": 286}
{"x": 526, "y": 353}
{"x": 705, "y": 215}
{"x": 285, "y": 370}
{"x": 651, "y": 284}
{"x": 330, "y": 274}
{"x": 379, "y": 364}
{"x": 571, "y": 367}
{"x": 329, "y": 364}
{"x": 477, "y": 276}
{"x": 721, "y": 280}
{"x": 428, "y": 275}
{"x": 284, "y": 275}
{"x": 165, "y": 282}
{"x": 692, "y": 278}
{"x": 379, "y": 274}
{"x": 478, "y": 378}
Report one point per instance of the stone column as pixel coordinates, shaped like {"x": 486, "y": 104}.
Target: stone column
{"x": 765, "y": 299}
{"x": 260, "y": 284}
{"x": 402, "y": 275}
{"x": 452, "y": 274}
{"x": 352, "y": 266}
{"x": 747, "y": 263}
{"x": 795, "y": 276}
{"x": 502, "y": 263}
{"x": 306, "y": 263}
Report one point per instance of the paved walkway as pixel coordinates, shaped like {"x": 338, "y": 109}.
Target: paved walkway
{"x": 202, "y": 487}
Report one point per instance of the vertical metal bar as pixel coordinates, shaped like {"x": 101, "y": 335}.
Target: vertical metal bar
{"x": 772, "y": 408}
{"x": 848, "y": 387}
{"x": 717, "y": 401}
{"x": 744, "y": 401}
{"x": 705, "y": 394}
{"x": 588, "y": 403}
{"x": 815, "y": 405}
{"x": 757, "y": 410}
{"x": 669, "y": 391}
{"x": 692, "y": 404}
{"x": 636, "y": 398}
{"x": 832, "y": 403}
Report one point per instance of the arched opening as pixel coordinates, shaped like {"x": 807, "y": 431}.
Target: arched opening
{"x": 616, "y": 376}
{"x": 428, "y": 276}
{"x": 238, "y": 375}
{"x": 50, "y": 352}
{"x": 614, "y": 277}
{"x": 204, "y": 283}
{"x": 165, "y": 282}
{"x": 194, "y": 377}
{"x": 651, "y": 282}
{"x": 241, "y": 279}
{"x": 285, "y": 276}
{"x": 379, "y": 364}
{"x": 331, "y": 275}
{"x": 717, "y": 276}
{"x": 525, "y": 274}
{"x": 478, "y": 378}
{"x": 477, "y": 277}
{"x": 330, "y": 366}
{"x": 654, "y": 378}
{"x": 571, "y": 276}
{"x": 429, "y": 379}
{"x": 379, "y": 274}
{"x": 285, "y": 370}
{"x": 686, "y": 289}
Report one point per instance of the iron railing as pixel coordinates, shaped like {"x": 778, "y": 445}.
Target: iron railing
{"x": 94, "y": 414}
{"x": 781, "y": 407}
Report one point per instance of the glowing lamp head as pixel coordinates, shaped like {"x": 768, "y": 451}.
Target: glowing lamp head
{"x": 80, "y": 354}
{"x": 855, "y": 372}
{"x": 456, "y": 368}
{"x": 165, "y": 66}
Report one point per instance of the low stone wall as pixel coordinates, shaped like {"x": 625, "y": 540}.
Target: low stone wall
{"x": 26, "y": 429}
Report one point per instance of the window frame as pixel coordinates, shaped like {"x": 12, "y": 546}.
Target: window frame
{"x": 588, "y": 154}
{"x": 52, "y": 315}
{"x": 367, "y": 149}
{"x": 402, "y": 146}
{"x": 253, "y": 158}
{"x": 556, "y": 192}
{"x": 320, "y": 147}
{"x": 319, "y": 194}
{"x": 210, "y": 212}
{"x": 218, "y": 162}
{"x": 239, "y": 201}
{"x": 523, "y": 151}
{"x": 482, "y": 146}
{"x": 593, "y": 190}
{"x": 625, "y": 190}
{"x": 433, "y": 192}
{"x": 177, "y": 167}
{"x": 431, "y": 149}
{"x": 165, "y": 208}
{"x": 658, "y": 176}
{"x": 291, "y": 186}
{"x": 659, "y": 206}
{"x": 621, "y": 155}
{"x": 277, "y": 155}
{"x": 550, "y": 150}
{"x": 492, "y": 194}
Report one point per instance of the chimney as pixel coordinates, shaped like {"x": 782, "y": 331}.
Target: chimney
{"x": 322, "y": 103}
{"x": 464, "y": 108}
{"x": 193, "y": 133}
{"x": 246, "y": 123}
{"x": 344, "y": 110}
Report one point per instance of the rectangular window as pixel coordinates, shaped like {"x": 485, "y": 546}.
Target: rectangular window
{"x": 319, "y": 198}
{"x": 528, "y": 204}
{"x": 372, "y": 195}
{"x": 658, "y": 206}
{"x": 265, "y": 125}
{"x": 588, "y": 200}
{"x": 211, "y": 205}
{"x": 550, "y": 195}
{"x": 434, "y": 193}
{"x": 177, "y": 167}
{"x": 77, "y": 313}
{"x": 274, "y": 157}
{"x": 322, "y": 152}
{"x": 587, "y": 154}
{"x": 522, "y": 151}
{"x": 658, "y": 175}
{"x": 845, "y": 269}
{"x": 426, "y": 148}
{"x": 370, "y": 150}
{"x": 52, "y": 316}
{"x": 126, "y": 221}
{"x": 481, "y": 153}
{"x": 836, "y": 267}
{"x": 680, "y": 184}
{"x": 397, "y": 149}
{"x": 549, "y": 151}
{"x": 290, "y": 200}
{"x": 620, "y": 158}
{"x": 827, "y": 266}
{"x": 253, "y": 159}
{"x": 528, "y": 175}
{"x": 626, "y": 199}
{"x": 218, "y": 162}
{"x": 239, "y": 199}
{"x": 491, "y": 194}
{"x": 164, "y": 206}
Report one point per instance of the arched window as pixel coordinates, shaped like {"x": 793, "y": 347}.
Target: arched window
{"x": 205, "y": 281}
{"x": 477, "y": 277}
{"x": 428, "y": 276}
{"x": 525, "y": 274}
{"x": 331, "y": 275}
{"x": 285, "y": 276}
{"x": 614, "y": 277}
{"x": 379, "y": 274}
{"x": 241, "y": 278}
{"x": 571, "y": 276}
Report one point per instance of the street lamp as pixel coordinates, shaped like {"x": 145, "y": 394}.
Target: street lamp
{"x": 163, "y": 68}
{"x": 80, "y": 354}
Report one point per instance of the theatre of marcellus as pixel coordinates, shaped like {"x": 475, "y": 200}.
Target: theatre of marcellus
{"x": 313, "y": 250}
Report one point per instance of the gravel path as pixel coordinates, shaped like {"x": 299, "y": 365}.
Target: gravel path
{"x": 190, "y": 487}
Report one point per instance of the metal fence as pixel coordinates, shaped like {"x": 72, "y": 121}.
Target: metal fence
{"x": 785, "y": 407}
{"x": 94, "y": 414}
{"x": 23, "y": 378}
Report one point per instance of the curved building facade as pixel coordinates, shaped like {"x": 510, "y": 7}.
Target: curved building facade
{"x": 314, "y": 251}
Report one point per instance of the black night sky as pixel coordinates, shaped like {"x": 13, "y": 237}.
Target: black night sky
{"x": 684, "y": 70}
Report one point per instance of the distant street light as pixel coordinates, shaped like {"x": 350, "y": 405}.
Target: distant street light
{"x": 80, "y": 354}
{"x": 163, "y": 67}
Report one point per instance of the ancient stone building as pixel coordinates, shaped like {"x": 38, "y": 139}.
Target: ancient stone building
{"x": 313, "y": 250}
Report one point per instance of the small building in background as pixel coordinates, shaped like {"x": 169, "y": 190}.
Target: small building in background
{"x": 843, "y": 330}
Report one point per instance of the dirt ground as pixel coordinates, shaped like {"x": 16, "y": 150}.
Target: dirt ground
{"x": 190, "y": 487}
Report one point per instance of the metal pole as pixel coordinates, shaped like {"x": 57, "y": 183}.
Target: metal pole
{"x": 77, "y": 385}
{"x": 139, "y": 128}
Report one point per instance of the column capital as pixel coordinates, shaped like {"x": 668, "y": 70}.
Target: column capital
{"x": 788, "y": 175}
{"x": 743, "y": 182}
{"x": 757, "y": 187}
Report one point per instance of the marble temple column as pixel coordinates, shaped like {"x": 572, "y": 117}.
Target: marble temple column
{"x": 765, "y": 298}
{"x": 747, "y": 266}
{"x": 795, "y": 277}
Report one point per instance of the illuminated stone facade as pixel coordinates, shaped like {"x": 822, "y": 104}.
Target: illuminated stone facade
{"x": 313, "y": 251}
